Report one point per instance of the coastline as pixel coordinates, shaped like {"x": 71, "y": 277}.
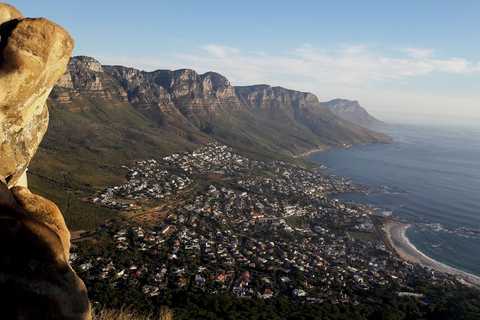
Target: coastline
{"x": 345, "y": 146}
{"x": 396, "y": 235}
{"x": 395, "y": 232}
{"x": 309, "y": 152}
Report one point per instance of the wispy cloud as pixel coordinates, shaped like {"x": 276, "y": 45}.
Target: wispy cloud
{"x": 455, "y": 65}
{"x": 419, "y": 53}
{"x": 219, "y": 51}
{"x": 345, "y": 64}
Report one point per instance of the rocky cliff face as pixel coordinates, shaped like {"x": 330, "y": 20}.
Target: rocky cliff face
{"x": 206, "y": 107}
{"x": 181, "y": 91}
{"x": 352, "y": 111}
{"x": 266, "y": 97}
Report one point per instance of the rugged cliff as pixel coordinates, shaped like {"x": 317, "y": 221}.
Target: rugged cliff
{"x": 352, "y": 111}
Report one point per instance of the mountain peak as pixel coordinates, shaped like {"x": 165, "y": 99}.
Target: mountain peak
{"x": 88, "y": 63}
{"x": 216, "y": 79}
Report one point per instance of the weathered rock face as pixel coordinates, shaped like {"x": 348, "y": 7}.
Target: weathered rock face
{"x": 36, "y": 279}
{"x": 33, "y": 56}
{"x": 267, "y": 97}
{"x": 180, "y": 93}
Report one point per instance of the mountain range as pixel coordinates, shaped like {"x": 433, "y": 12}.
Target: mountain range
{"x": 102, "y": 117}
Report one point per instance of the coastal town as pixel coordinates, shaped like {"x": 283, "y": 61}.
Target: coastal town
{"x": 150, "y": 179}
{"x": 227, "y": 224}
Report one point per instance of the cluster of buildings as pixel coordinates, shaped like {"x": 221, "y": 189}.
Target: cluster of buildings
{"x": 316, "y": 265}
{"x": 152, "y": 179}
{"x": 146, "y": 180}
{"x": 269, "y": 231}
{"x": 212, "y": 157}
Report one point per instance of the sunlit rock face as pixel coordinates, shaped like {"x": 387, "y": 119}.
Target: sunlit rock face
{"x": 36, "y": 279}
{"x": 33, "y": 56}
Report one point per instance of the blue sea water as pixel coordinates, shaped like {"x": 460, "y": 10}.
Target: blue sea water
{"x": 429, "y": 175}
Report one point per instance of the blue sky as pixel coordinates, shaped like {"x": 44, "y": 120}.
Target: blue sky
{"x": 402, "y": 60}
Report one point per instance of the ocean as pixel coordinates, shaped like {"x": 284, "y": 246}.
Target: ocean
{"x": 430, "y": 175}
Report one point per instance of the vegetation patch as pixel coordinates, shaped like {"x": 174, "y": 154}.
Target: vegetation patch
{"x": 363, "y": 235}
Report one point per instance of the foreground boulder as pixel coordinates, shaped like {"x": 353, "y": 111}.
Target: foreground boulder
{"x": 34, "y": 54}
{"x": 36, "y": 279}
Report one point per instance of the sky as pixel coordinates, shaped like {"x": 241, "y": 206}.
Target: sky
{"x": 404, "y": 61}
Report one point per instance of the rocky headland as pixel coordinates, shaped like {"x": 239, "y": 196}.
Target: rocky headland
{"x": 352, "y": 111}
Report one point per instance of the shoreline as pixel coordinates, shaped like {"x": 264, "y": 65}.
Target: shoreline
{"x": 406, "y": 250}
{"x": 345, "y": 146}
{"x": 396, "y": 235}
{"x": 310, "y": 152}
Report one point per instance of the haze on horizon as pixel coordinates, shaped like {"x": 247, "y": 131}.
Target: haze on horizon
{"x": 404, "y": 61}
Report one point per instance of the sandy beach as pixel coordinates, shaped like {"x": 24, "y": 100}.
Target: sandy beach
{"x": 407, "y": 251}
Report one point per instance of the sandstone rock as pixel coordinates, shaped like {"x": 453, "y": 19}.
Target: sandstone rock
{"x": 36, "y": 280}
{"x": 45, "y": 211}
{"x": 33, "y": 56}
{"x": 8, "y": 13}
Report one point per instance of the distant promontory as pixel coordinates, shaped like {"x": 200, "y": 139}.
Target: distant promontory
{"x": 352, "y": 111}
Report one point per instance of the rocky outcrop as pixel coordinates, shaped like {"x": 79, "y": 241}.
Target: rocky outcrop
{"x": 34, "y": 53}
{"x": 45, "y": 211}
{"x": 36, "y": 279}
{"x": 352, "y": 111}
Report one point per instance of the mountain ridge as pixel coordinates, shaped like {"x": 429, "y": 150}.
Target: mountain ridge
{"x": 207, "y": 107}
